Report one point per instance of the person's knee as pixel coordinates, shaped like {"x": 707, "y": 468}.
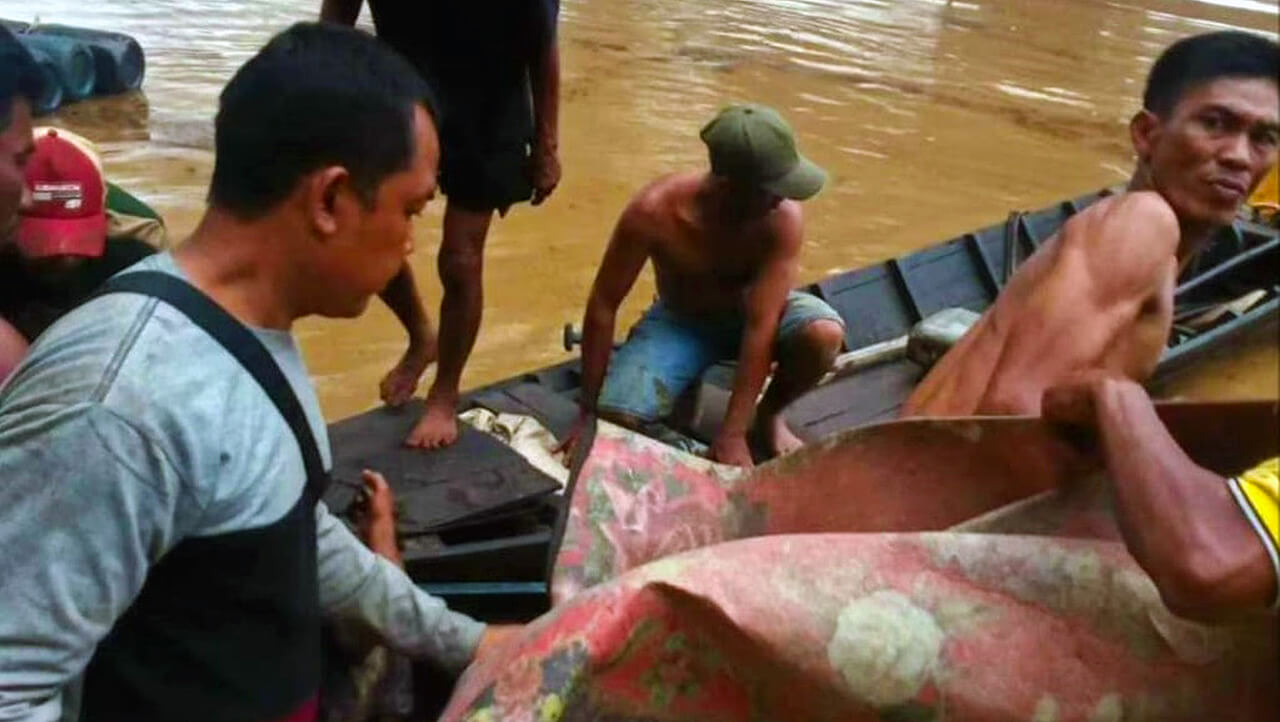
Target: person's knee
{"x": 823, "y": 339}
{"x": 460, "y": 266}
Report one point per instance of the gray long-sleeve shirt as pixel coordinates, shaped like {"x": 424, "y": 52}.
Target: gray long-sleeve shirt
{"x": 126, "y": 430}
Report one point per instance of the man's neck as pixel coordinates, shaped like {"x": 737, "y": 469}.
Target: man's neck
{"x": 717, "y": 204}
{"x": 1193, "y": 236}
{"x": 243, "y": 267}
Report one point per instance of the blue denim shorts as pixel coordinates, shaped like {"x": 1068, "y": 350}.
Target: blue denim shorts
{"x": 666, "y": 353}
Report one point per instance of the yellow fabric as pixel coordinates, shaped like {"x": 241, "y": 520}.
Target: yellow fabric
{"x": 1261, "y": 488}
{"x": 1267, "y": 195}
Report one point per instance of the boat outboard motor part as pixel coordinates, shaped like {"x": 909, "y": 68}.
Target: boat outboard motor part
{"x": 119, "y": 60}
{"x": 73, "y": 62}
{"x": 935, "y": 335}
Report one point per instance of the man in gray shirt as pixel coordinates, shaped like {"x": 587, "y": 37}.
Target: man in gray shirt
{"x": 162, "y": 449}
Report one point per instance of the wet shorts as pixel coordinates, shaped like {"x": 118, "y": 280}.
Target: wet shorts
{"x": 485, "y": 145}
{"x": 666, "y": 353}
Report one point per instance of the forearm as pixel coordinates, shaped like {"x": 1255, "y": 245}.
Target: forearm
{"x": 344, "y": 12}
{"x": 356, "y": 583}
{"x": 597, "y": 342}
{"x": 754, "y": 359}
{"x": 401, "y": 296}
{"x": 1178, "y": 519}
{"x": 544, "y": 81}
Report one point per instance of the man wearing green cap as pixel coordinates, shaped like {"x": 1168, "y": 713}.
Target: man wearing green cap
{"x": 724, "y": 246}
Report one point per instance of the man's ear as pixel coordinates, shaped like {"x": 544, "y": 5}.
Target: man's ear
{"x": 329, "y": 196}
{"x": 1144, "y": 131}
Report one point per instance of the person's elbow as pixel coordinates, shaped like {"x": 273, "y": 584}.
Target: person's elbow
{"x": 1204, "y": 585}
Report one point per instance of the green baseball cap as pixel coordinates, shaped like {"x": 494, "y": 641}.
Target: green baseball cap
{"x": 753, "y": 143}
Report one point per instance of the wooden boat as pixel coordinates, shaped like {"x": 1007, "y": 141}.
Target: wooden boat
{"x": 477, "y": 520}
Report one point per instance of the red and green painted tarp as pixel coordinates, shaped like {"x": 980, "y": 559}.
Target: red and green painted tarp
{"x": 853, "y": 627}
{"x": 634, "y": 499}
{"x": 818, "y": 588}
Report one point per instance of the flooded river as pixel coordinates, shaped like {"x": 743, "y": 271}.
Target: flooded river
{"x": 933, "y": 117}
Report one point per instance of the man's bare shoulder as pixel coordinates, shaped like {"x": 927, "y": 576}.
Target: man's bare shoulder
{"x": 653, "y": 206}
{"x": 1126, "y": 217}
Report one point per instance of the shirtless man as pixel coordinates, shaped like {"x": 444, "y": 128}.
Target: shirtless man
{"x": 724, "y": 246}
{"x": 1099, "y": 295}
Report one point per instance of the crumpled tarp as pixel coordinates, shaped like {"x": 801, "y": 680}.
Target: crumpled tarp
{"x": 852, "y": 627}
{"x": 1027, "y": 607}
{"x": 636, "y": 499}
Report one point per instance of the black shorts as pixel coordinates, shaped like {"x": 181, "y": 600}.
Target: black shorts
{"x": 484, "y": 147}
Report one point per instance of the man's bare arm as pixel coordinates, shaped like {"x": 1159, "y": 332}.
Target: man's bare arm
{"x": 762, "y": 305}
{"x": 1178, "y": 520}
{"x": 1109, "y": 265}
{"x": 626, "y": 254}
{"x": 343, "y": 12}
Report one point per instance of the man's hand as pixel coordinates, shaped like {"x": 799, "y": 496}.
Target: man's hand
{"x": 1073, "y": 403}
{"x": 401, "y": 381}
{"x": 495, "y": 637}
{"x": 570, "y": 442}
{"x": 544, "y": 171}
{"x": 377, "y": 520}
{"x": 732, "y": 449}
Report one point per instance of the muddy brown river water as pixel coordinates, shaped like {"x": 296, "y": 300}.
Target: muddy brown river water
{"x": 933, "y": 117}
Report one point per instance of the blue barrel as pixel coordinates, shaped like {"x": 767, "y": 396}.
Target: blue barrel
{"x": 72, "y": 60}
{"x": 119, "y": 61}
{"x": 51, "y": 94}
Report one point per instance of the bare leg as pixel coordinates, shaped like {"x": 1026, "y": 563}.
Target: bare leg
{"x": 802, "y": 361}
{"x": 461, "y": 266}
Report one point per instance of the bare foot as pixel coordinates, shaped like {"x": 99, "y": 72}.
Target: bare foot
{"x": 438, "y": 426}
{"x": 778, "y": 437}
{"x": 401, "y": 381}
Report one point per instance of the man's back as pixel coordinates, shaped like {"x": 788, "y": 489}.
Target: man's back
{"x": 1098, "y": 295}
{"x": 160, "y": 437}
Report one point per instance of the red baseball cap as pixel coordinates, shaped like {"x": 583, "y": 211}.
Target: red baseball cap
{"x": 67, "y": 215}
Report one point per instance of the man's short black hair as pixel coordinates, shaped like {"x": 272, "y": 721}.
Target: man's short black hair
{"x": 1199, "y": 59}
{"x": 316, "y": 95}
{"x": 20, "y": 77}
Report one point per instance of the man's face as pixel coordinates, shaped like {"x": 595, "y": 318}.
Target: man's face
{"x": 1214, "y": 147}
{"x": 753, "y": 201}
{"x": 16, "y": 146}
{"x": 364, "y": 255}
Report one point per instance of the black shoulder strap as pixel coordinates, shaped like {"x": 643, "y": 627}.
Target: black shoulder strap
{"x": 240, "y": 342}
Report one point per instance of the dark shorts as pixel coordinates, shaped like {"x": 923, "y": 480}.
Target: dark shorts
{"x": 485, "y": 145}
{"x": 666, "y": 353}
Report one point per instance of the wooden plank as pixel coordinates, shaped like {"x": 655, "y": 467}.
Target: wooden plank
{"x": 871, "y": 307}
{"x": 985, "y": 270}
{"x": 522, "y": 557}
{"x": 904, "y": 287}
{"x": 874, "y": 394}
{"x": 557, "y": 412}
{"x": 435, "y": 489}
{"x": 494, "y": 602}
